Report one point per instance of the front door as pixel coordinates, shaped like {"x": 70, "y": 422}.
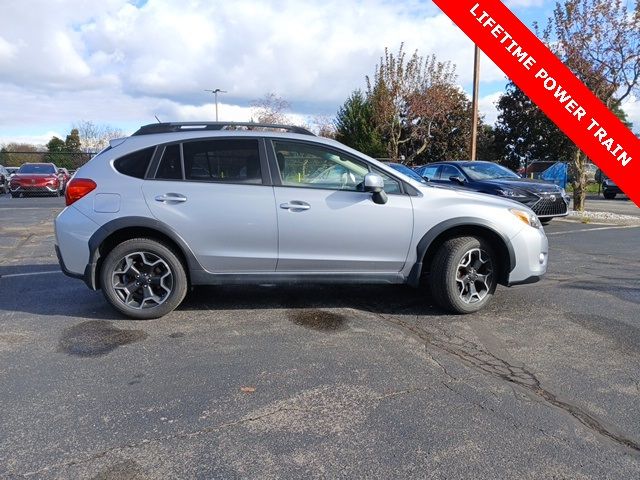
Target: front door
{"x": 327, "y": 223}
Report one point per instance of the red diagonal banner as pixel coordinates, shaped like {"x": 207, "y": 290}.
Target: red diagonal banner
{"x": 553, "y": 87}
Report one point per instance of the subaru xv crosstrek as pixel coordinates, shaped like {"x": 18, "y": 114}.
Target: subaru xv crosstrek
{"x": 181, "y": 204}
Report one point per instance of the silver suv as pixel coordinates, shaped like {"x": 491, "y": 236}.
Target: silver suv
{"x": 182, "y": 204}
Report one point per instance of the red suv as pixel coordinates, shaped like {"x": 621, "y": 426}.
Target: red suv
{"x": 36, "y": 178}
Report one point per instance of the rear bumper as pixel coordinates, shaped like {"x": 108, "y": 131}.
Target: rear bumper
{"x": 73, "y": 230}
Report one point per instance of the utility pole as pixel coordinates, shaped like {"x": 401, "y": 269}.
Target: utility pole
{"x": 215, "y": 93}
{"x": 474, "y": 103}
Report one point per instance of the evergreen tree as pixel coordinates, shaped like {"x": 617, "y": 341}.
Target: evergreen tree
{"x": 355, "y": 127}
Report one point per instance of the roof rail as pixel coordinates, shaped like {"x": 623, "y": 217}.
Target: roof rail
{"x": 201, "y": 126}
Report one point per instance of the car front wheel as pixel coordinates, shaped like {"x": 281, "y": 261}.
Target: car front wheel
{"x": 143, "y": 279}
{"x": 463, "y": 274}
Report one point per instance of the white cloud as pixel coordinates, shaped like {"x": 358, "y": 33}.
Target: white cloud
{"x": 115, "y": 62}
{"x": 631, "y": 107}
{"x": 488, "y": 107}
{"x": 524, "y": 3}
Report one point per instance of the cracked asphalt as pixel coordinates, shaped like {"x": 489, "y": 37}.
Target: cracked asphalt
{"x": 322, "y": 382}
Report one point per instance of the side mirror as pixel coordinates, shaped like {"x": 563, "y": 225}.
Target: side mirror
{"x": 458, "y": 178}
{"x": 375, "y": 184}
{"x": 426, "y": 179}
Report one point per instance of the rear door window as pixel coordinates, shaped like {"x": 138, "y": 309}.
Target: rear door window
{"x": 170, "y": 167}
{"x": 449, "y": 171}
{"x": 230, "y": 161}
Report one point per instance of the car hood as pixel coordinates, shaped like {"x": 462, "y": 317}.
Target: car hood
{"x": 33, "y": 176}
{"x": 527, "y": 184}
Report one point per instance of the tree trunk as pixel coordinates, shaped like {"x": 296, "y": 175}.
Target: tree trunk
{"x": 579, "y": 181}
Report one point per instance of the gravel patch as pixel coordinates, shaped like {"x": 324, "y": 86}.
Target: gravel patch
{"x": 587, "y": 216}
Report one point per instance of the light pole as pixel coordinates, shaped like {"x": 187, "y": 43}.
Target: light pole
{"x": 474, "y": 102}
{"x": 215, "y": 93}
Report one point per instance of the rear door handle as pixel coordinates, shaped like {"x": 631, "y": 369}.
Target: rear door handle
{"x": 171, "y": 198}
{"x": 295, "y": 206}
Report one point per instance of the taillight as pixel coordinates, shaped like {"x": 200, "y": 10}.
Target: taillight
{"x": 78, "y": 188}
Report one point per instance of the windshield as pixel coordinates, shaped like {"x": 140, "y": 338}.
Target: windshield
{"x": 485, "y": 171}
{"x": 37, "y": 168}
{"x": 407, "y": 171}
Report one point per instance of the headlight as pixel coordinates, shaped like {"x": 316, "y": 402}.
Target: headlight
{"x": 507, "y": 192}
{"x": 529, "y": 218}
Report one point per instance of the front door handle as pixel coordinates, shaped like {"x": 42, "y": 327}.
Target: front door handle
{"x": 295, "y": 206}
{"x": 171, "y": 198}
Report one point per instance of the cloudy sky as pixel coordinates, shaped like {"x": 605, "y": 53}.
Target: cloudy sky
{"x": 122, "y": 62}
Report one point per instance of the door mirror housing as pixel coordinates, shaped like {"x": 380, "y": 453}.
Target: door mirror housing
{"x": 458, "y": 179}
{"x": 375, "y": 184}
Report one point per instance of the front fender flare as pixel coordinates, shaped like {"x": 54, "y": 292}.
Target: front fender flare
{"x": 432, "y": 234}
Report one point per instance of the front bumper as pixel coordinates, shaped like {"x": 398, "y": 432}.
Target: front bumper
{"x": 531, "y": 248}
{"x": 33, "y": 189}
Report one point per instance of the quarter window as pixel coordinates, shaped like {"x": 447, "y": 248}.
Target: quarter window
{"x": 135, "y": 164}
{"x": 391, "y": 185}
{"x": 232, "y": 161}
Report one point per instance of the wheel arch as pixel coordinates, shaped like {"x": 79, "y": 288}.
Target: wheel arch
{"x": 458, "y": 227}
{"x": 116, "y": 231}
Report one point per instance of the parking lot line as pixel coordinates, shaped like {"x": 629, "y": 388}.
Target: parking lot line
{"x": 593, "y": 229}
{"x": 26, "y": 274}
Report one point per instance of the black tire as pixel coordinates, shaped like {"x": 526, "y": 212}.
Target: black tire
{"x": 447, "y": 291}
{"x": 115, "y": 262}
{"x": 609, "y": 195}
{"x": 15, "y": 195}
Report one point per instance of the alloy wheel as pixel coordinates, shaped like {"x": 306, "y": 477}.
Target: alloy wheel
{"x": 473, "y": 276}
{"x": 142, "y": 280}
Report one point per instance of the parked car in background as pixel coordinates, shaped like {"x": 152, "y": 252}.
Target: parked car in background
{"x": 64, "y": 176}
{"x": 181, "y": 204}
{"x": 399, "y": 167}
{"x": 610, "y": 189}
{"x": 4, "y": 180}
{"x": 12, "y": 171}
{"x": 546, "y": 199}
{"x": 36, "y": 179}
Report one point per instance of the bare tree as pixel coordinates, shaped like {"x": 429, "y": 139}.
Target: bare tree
{"x": 407, "y": 96}
{"x": 95, "y": 137}
{"x": 324, "y": 126}
{"x": 270, "y": 109}
{"x": 599, "y": 40}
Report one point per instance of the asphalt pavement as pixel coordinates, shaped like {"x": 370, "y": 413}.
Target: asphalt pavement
{"x": 322, "y": 382}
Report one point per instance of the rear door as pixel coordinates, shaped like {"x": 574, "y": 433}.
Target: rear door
{"x": 215, "y": 194}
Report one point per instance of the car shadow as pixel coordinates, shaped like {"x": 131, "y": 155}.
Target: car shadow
{"x": 28, "y": 289}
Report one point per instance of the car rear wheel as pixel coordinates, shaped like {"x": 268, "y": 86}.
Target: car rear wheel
{"x": 609, "y": 195}
{"x": 463, "y": 274}
{"x": 143, "y": 279}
